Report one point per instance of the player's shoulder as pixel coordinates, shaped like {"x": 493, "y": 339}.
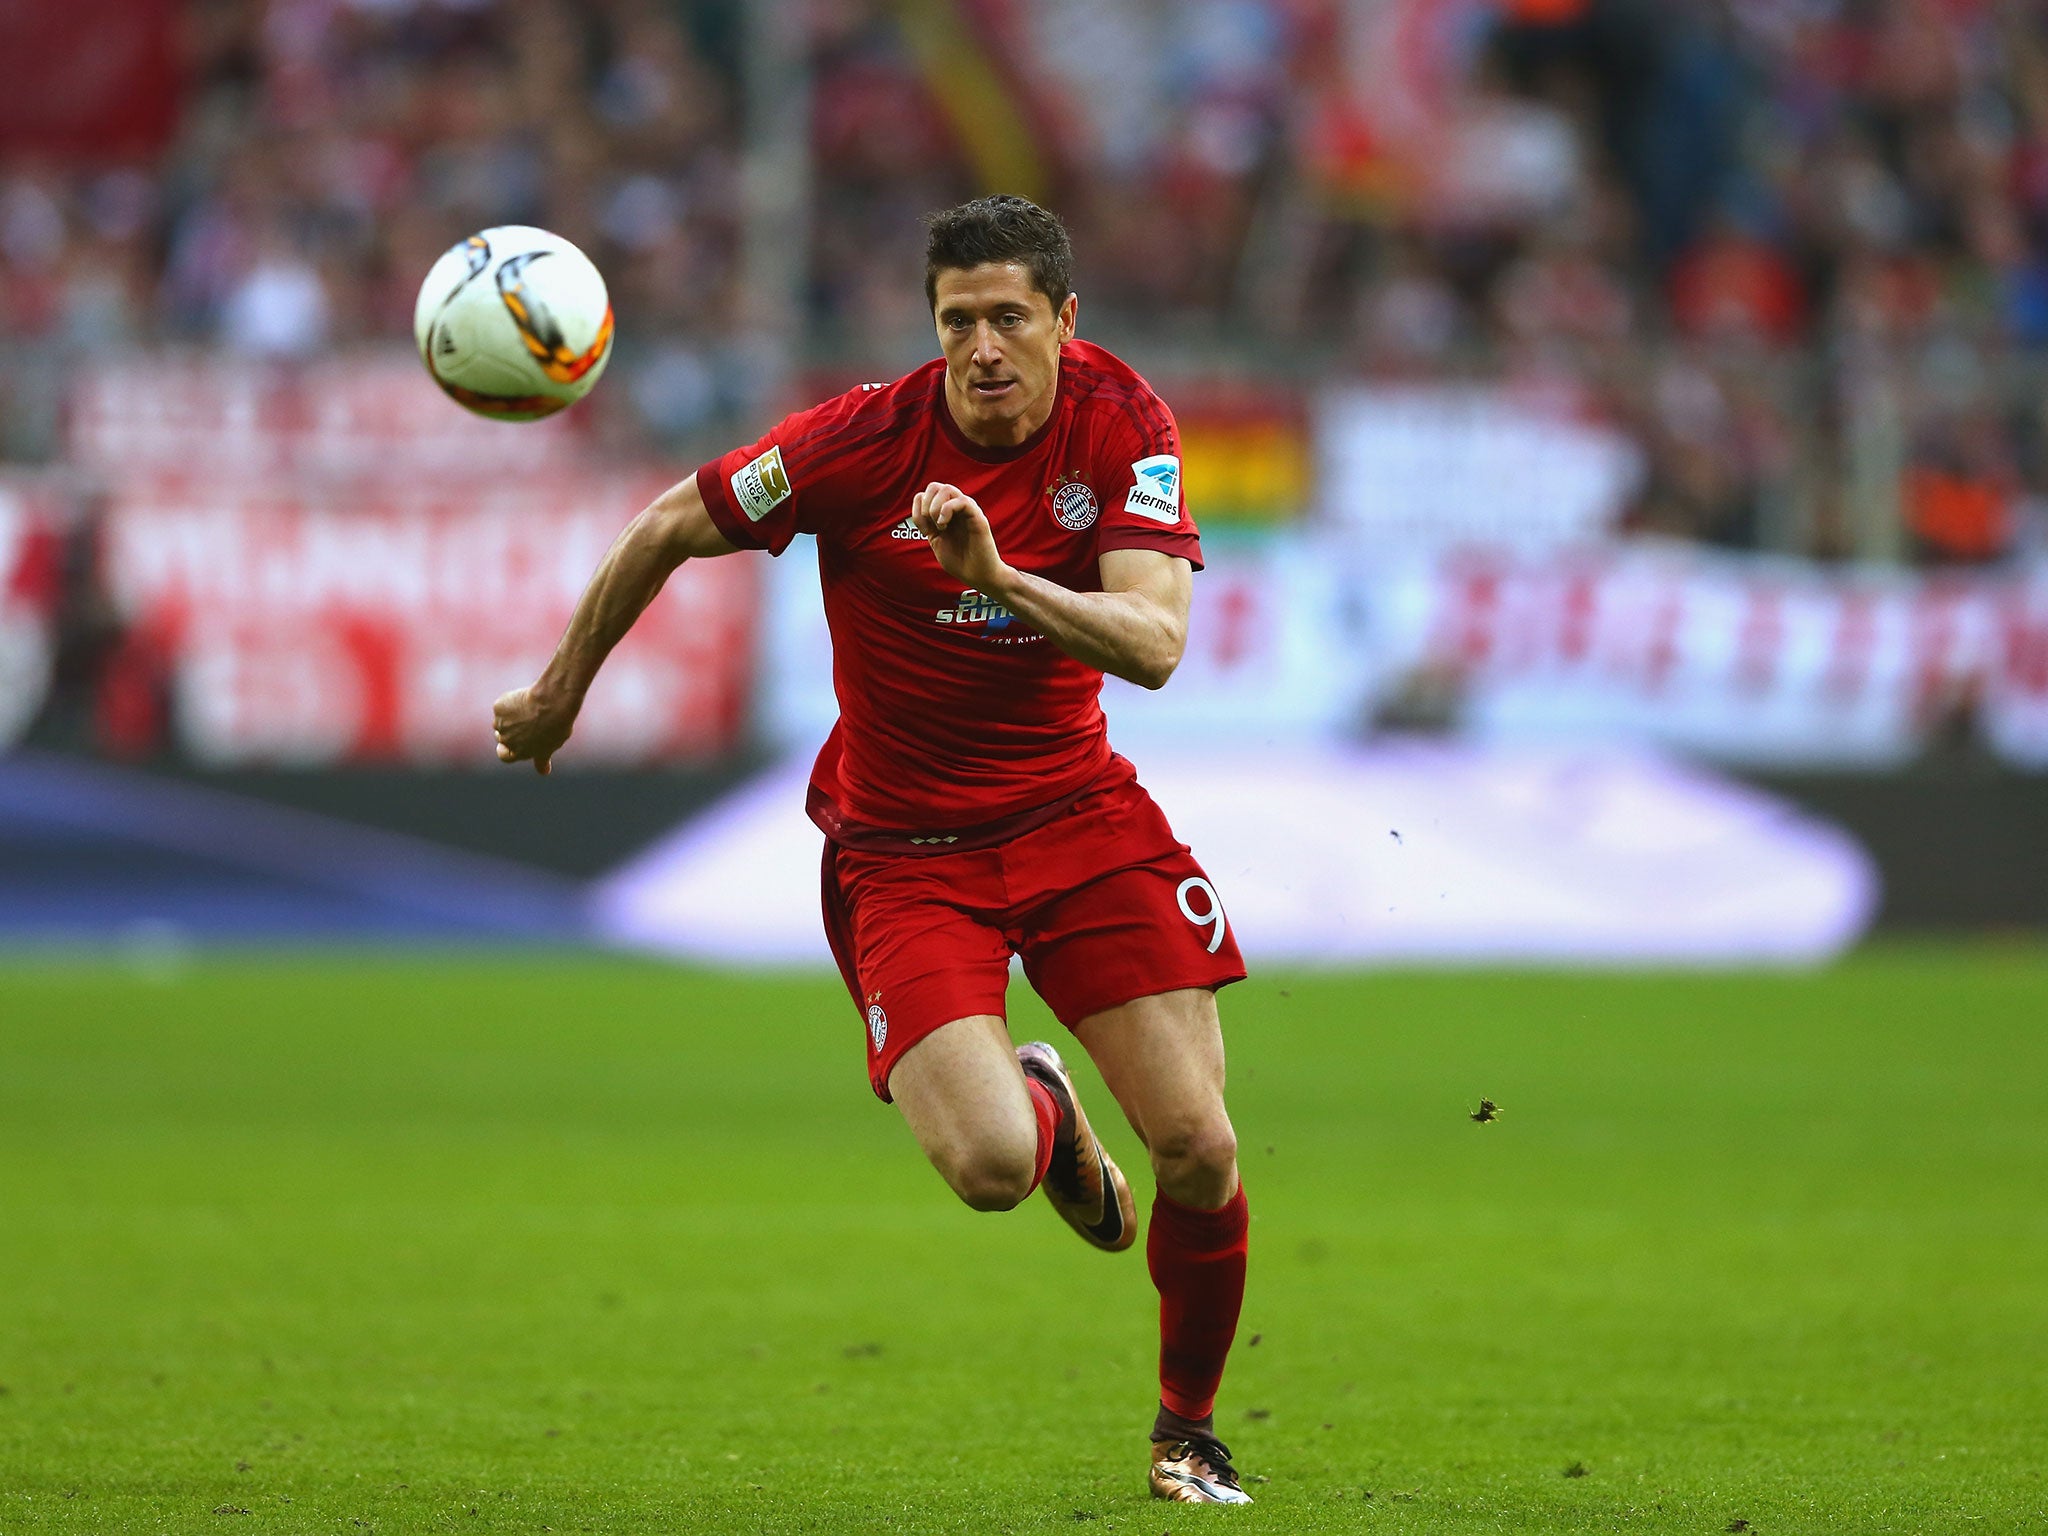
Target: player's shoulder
{"x": 872, "y": 402}
{"x": 1111, "y": 390}
{"x": 867, "y": 412}
{"x": 1095, "y": 370}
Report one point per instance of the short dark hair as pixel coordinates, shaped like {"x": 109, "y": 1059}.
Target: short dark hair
{"x": 1001, "y": 228}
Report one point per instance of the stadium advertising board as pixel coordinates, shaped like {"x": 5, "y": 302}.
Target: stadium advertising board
{"x": 203, "y": 421}
{"x": 330, "y": 564}
{"x": 1415, "y": 467}
{"x": 354, "y": 570}
{"x": 1305, "y": 637}
{"x": 381, "y": 631}
{"x": 1746, "y": 660}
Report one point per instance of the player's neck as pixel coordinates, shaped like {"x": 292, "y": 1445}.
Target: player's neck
{"x": 1005, "y": 432}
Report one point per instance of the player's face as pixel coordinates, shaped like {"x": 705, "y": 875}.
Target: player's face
{"x": 1002, "y": 340}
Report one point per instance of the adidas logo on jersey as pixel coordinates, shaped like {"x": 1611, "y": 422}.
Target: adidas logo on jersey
{"x": 905, "y": 530}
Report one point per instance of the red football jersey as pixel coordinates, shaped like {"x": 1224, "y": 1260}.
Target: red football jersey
{"x": 953, "y": 715}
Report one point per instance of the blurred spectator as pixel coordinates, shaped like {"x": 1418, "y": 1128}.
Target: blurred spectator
{"x": 278, "y": 307}
{"x": 1960, "y": 494}
{"x": 1725, "y": 219}
{"x": 1738, "y": 286}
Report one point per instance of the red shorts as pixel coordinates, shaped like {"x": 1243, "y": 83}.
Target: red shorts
{"x": 1103, "y": 903}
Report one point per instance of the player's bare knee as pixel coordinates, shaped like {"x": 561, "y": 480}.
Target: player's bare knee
{"x": 990, "y": 1179}
{"x": 1196, "y": 1156}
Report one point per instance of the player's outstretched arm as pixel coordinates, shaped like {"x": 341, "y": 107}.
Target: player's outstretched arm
{"x": 1135, "y": 628}
{"x": 533, "y": 722}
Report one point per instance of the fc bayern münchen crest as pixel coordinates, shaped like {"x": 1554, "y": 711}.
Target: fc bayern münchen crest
{"x": 1074, "y": 505}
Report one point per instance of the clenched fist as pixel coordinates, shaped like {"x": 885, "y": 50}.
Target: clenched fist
{"x": 959, "y": 535}
{"x": 532, "y": 724}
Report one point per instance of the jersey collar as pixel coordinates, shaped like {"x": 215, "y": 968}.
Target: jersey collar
{"x": 987, "y": 455}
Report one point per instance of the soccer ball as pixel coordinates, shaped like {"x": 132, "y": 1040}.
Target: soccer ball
{"x": 514, "y": 323}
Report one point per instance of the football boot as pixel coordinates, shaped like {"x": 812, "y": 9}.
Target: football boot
{"x": 1195, "y": 1472}
{"x": 1083, "y": 1183}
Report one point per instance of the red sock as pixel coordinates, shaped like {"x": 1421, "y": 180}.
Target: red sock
{"x": 1197, "y": 1262}
{"x": 1047, "y": 1108}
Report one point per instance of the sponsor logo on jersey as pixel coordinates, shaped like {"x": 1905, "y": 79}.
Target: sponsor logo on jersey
{"x": 1074, "y": 506}
{"x": 973, "y": 608}
{"x": 905, "y": 530}
{"x": 1156, "y": 493}
{"x": 761, "y": 486}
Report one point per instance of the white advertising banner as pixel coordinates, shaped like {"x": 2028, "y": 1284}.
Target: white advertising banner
{"x": 1415, "y": 467}
{"x": 2015, "y": 695}
{"x": 374, "y": 412}
{"x": 1750, "y": 661}
{"x": 1743, "y": 659}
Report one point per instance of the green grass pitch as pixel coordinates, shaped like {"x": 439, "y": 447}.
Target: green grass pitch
{"x": 475, "y": 1244}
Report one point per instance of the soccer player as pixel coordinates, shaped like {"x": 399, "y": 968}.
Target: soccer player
{"x": 996, "y": 531}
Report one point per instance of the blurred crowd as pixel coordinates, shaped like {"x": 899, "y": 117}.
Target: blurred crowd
{"x": 1797, "y": 249}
